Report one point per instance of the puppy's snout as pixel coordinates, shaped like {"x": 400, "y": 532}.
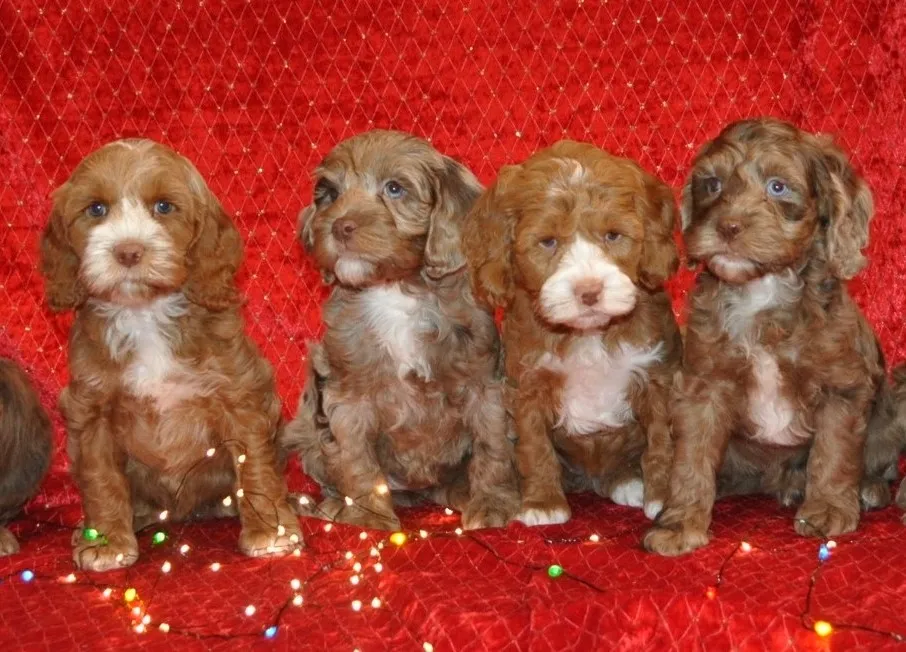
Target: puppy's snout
{"x": 128, "y": 254}
{"x": 343, "y": 229}
{"x": 729, "y": 227}
{"x": 588, "y": 292}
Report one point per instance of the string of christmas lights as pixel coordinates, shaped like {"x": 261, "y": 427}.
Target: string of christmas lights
{"x": 366, "y": 563}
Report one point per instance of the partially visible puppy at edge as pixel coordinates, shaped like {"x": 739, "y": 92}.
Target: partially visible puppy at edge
{"x": 886, "y": 443}
{"x": 170, "y": 407}
{"x": 781, "y": 372}
{"x": 575, "y": 245}
{"x": 403, "y": 400}
{"x": 26, "y": 444}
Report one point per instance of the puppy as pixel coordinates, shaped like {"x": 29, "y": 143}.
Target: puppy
{"x": 575, "y": 245}
{"x": 404, "y": 395}
{"x": 25, "y": 447}
{"x": 781, "y": 372}
{"x": 170, "y": 407}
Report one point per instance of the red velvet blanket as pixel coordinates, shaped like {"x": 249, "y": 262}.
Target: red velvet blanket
{"x": 255, "y": 93}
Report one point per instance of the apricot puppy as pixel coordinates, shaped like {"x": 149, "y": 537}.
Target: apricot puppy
{"x": 575, "y": 245}
{"x": 781, "y": 371}
{"x": 160, "y": 370}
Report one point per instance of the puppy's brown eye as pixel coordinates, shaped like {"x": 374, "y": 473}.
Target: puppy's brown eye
{"x": 548, "y": 243}
{"x": 394, "y": 190}
{"x": 96, "y": 209}
{"x": 612, "y": 236}
{"x": 712, "y": 185}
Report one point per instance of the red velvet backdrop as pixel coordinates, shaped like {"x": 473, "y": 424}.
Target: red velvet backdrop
{"x": 255, "y": 92}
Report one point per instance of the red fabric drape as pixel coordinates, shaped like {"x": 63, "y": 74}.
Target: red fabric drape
{"x": 255, "y": 93}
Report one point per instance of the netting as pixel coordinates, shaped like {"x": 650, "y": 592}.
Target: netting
{"x": 255, "y": 93}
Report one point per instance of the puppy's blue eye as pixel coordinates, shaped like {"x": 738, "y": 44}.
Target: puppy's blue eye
{"x": 777, "y": 188}
{"x": 548, "y": 243}
{"x": 394, "y": 190}
{"x": 96, "y": 209}
{"x": 612, "y": 236}
{"x": 162, "y": 207}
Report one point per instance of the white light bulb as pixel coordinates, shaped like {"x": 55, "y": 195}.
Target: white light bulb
{"x": 227, "y": 501}
{"x": 354, "y": 580}
{"x": 210, "y": 452}
{"x": 166, "y": 567}
{"x": 164, "y": 514}
{"x": 356, "y": 605}
{"x": 241, "y": 458}
{"x": 378, "y": 567}
{"x": 250, "y": 610}
{"x": 349, "y": 501}
{"x": 215, "y": 567}
{"x": 297, "y": 600}
{"x": 295, "y": 584}
{"x": 376, "y": 603}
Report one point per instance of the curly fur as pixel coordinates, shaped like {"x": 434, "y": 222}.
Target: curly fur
{"x": 26, "y": 443}
{"x": 781, "y": 372}
{"x": 403, "y": 396}
{"x": 575, "y": 245}
{"x": 160, "y": 369}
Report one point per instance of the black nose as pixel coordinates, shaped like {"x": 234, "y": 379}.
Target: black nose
{"x": 343, "y": 229}
{"x": 128, "y": 254}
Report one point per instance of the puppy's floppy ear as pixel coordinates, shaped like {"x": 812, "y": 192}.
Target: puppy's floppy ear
{"x": 215, "y": 252}
{"x": 305, "y": 228}
{"x": 488, "y": 234}
{"x": 845, "y": 208}
{"x": 59, "y": 262}
{"x": 659, "y": 256}
{"x": 455, "y": 191}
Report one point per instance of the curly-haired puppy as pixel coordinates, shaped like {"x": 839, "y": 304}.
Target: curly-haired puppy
{"x": 170, "y": 406}
{"x": 25, "y": 447}
{"x": 576, "y": 244}
{"x": 404, "y": 393}
{"x": 886, "y": 441}
{"x": 781, "y": 372}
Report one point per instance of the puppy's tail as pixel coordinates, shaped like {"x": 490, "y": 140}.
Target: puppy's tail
{"x": 26, "y": 440}
{"x": 304, "y": 435}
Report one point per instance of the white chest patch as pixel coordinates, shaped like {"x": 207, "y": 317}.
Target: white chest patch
{"x": 149, "y": 333}
{"x": 397, "y": 321}
{"x": 769, "y": 410}
{"x": 597, "y": 381}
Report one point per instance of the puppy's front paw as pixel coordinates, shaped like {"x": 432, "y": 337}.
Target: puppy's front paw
{"x": 549, "y": 513}
{"x": 821, "y": 519}
{"x": 653, "y": 509}
{"x": 874, "y": 493}
{"x": 8, "y": 543}
{"x": 629, "y": 493}
{"x": 672, "y": 542}
{"x": 264, "y": 541}
{"x": 485, "y": 513}
{"x": 117, "y": 552}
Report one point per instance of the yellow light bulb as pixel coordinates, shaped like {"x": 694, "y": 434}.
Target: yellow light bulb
{"x": 398, "y": 538}
{"x": 823, "y": 628}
